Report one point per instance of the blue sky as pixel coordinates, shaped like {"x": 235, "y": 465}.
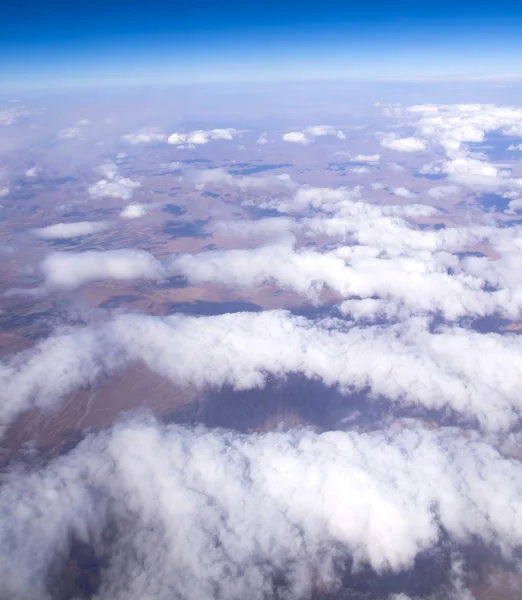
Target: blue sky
{"x": 59, "y": 43}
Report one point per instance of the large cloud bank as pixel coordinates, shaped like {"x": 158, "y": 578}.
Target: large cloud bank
{"x": 184, "y": 513}
{"x": 219, "y": 176}
{"x": 474, "y": 375}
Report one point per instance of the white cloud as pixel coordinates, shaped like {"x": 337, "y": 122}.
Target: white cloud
{"x": 360, "y": 170}
{"x": 11, "y": 115}
{"x": 404, "y": 192}
{"x": 70, "y": 230}
{"x": 367, "y": 158}
{"x": 476, "y": 375}
{"x": 76, "y": 131}
{"x": 134, "y": 211}
{"x": 388, "y": 257}
{"x": 4, "y": 192}
{"x": 32, "y": 172}
{"x": 173, "y": 165}
{"x": 219, "y": 176}
{"x": 320, "y": 130}
{"x": 70, "y": 270}
{"x": 214, "y": 514}
{"x": 143, "y": 137}
{"x": 202, "y": 136}
{"x": 452, "y": 127}
{"x": 261, "y": 229}
{"x": 296, "y": 137}
{"x": 477, "y": 173}
{"x": 307, "y": 135}
{"x": 443, "y": 191}
{"x": 409, "y": 144}
{"x": 113, "y": 185}
{"x": 262, "y": 139}
{"x": 515, "y": 147}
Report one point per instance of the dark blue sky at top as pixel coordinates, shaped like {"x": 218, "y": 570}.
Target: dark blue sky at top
{"x": 99, "y": 39}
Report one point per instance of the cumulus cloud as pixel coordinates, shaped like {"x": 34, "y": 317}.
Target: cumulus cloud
{"x": 32, "y": 172}
{"x": 443, "y": 191}
{"x": 70, "y": 270}
{"x": 296, "y": 137}
{"x": 385, "y": 255}
{"x": 476, "y": 375}
{"x": 412, "y": 285}
{"x": 113, "y": 185}
{"x": 213, "y": 514}
{"x": 134, "y": 211}
{"x": 4, "y": 192}
{"x": 404, "y": 192}
{"x": 452, "y": 128}
{"x": 201, "y": 136}
{"x": 196, "y": 513}
{"x": 409, "y": 144}
{"x": 307, "y": 135}
{"x": 367, "y": 158}
{"x": 70, "y": 230}
{"x": 76, "y": 131}
{"x": 262, "y": 139}
{"x": 360, "y": 170}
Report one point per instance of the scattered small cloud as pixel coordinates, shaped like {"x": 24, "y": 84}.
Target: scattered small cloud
{"x": 409, "y": 144}
{"x": 143, "y": 137}
{"x": 113, "y": 185}
{"x": 404, "y": 192}
{"x": 70, "y": 230}
{"x": 296, "y": 137}
{"x": 307, "y": 135}
{"x": 201, "y": 136}
{"x": 134, "y": 211}
{"x": 366, "y": 158}
{"x": 76, "y": 131}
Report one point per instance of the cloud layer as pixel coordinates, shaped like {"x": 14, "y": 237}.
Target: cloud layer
{"x": 212, "y": 514}
{"x": 475, "y": 375}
